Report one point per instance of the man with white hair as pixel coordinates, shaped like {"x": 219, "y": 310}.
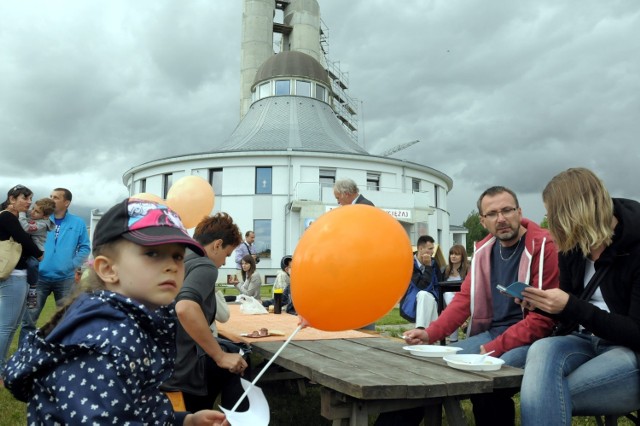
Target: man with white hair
{"x": 346, "y": 192}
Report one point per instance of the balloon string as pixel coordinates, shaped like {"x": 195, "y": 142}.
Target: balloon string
{"x": 264, "y": 369}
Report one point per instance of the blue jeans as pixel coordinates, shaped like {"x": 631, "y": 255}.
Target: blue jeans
{"x": 60, "y": 290}
{"x": 516, "y": 357}
{"x": 13, "y": 296}
{"x": 494, "y": 409}
{"x": 578, "y": 374}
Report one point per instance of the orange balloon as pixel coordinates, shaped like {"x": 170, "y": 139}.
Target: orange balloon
{"x": 192, "y": 198}
{"x": 149, "y": 197}
{"x": 350, "y": 268}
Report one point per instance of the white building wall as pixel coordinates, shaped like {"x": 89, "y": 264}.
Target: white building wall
{"x": 297, "y": 196}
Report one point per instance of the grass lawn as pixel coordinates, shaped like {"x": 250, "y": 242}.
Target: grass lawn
{"x": 288, "y": 407}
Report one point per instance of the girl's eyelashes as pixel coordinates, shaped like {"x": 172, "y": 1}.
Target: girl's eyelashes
{"x": 178, "y": 256}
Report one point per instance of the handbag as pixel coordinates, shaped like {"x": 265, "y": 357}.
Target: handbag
{"x": 562, "y": 329}
{"x": 10, "y": 253}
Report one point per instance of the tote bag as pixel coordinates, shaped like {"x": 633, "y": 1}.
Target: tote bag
{"x": 10, "y": 252}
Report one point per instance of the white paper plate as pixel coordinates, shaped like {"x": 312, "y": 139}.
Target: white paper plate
{"x": 431, "y": 351}
{"x": 471, "y": 362}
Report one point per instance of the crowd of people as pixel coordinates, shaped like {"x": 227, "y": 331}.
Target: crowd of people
{"x": 144, "y": 312}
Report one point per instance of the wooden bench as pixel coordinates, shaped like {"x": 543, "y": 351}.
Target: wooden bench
{"x": 177, "y": 401}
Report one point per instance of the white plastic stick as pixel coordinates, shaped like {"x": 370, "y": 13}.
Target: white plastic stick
{"x": 264, "y": 369}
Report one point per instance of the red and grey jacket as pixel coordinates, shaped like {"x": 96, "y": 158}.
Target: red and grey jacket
{"x": 538, "y": 267}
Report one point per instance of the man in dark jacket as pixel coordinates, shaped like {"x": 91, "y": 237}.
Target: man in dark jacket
{"x": 346, "y": 192}
{"x": 420, "y": 302}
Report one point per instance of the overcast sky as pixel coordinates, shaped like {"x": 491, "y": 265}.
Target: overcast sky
{"x": 498, "y": 92}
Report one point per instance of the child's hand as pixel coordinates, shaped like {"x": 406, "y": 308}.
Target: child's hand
{"x": 206, "y": 417}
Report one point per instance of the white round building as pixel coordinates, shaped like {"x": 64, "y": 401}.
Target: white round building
{"x": 275, "y": 173}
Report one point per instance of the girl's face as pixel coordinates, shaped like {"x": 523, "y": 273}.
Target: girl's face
{"x": 21, "y": 203}
{"x": 455, "y": 258}
{"x": 151, "y": 275}
{"x": 245, "y": 266}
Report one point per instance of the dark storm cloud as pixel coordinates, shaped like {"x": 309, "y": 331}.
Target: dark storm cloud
{"x": 498, "y": 92}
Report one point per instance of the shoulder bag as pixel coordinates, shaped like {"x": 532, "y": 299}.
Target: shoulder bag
{"x": 249, "y": 250}
{"x": 10, "y": 253}
{"x": 562, "y": 329}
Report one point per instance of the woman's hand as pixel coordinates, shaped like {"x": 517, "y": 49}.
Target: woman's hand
{"x": 552, "y": 301}
{"x": 206, "y": 417}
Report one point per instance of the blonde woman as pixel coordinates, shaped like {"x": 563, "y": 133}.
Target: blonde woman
{"x": 593, "y": 369}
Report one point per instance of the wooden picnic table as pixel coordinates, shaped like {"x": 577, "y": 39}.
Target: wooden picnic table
{"x": 366, "y": 376}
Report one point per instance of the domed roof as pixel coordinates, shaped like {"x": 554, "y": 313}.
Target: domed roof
{"x": 298, "y": 123}
{"x": 292, "y": 64}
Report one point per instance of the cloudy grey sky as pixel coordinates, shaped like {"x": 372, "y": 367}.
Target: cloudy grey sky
{"x": 498, "y": 92}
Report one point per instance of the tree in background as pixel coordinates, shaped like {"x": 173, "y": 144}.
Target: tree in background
{"x": 544, "y": 224}
{"x": 476, "y": 231}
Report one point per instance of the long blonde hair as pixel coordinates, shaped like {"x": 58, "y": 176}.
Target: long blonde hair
{"x": 579, "y": 211}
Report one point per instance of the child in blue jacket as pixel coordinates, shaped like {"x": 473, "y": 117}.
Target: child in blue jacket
{"x": 103, "y": 356}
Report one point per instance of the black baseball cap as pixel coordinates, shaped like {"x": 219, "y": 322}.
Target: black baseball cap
{"x": 143, "y": 222}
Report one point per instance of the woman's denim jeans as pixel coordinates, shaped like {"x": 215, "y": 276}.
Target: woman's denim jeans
{"x": 578, "y": 374}
{"x": 471, "y": 345}
{"x": 13, "y": 295}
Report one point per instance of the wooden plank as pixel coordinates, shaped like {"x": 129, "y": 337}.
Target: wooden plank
{"x": 356, "y": 370}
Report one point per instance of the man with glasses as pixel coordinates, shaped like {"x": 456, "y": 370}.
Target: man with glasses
{"x": 516, "y": 249}
{"x": 66, "y": 248}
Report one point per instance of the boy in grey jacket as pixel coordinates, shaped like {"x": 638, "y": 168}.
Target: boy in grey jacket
{"x": 38, "y": 225}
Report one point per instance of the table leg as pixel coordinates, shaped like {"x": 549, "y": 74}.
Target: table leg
{"x": 453, "y": 410}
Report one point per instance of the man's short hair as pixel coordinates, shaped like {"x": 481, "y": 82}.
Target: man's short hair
{"x": 246, "y": 234}
{"x": 346, "y": 186}
{"x": 495, "y": 190}
{"x": 424, "y": 239}
{"x": 67, "y": 193}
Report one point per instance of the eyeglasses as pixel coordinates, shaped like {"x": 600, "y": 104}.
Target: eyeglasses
{"x": 18, "y": 188}
{"x": 506, "y": 213}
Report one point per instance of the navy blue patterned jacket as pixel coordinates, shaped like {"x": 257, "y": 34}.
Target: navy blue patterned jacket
{"x": 102, "y": 364}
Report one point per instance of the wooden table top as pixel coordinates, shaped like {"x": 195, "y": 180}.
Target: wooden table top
{"x": 285, "y": 324}
{"x": 378, "y": 368}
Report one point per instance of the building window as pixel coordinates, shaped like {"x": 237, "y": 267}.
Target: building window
{"x": 303, "y": 88}
{"x": 283, "y": 87}
{"x": 167, "y": 181}
{"x": 265, "y": 90}
{"x": 415, "y": 185}
{"x": 262, "y": 229}
{"x": 263, "y": 180}
{"x": 143, "y": 185}
{"x": 327, "y": 177}
{"x": 321, "y": 93}
{"x": 215, "y": 179}
{"x": 435, "y": 195}
{"x": 373, "y": 181}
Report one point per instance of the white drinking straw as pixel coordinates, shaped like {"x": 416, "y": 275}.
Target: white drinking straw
{"x": 266, "y": 367}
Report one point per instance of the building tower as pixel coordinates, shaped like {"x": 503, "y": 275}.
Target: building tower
{"x": 297, "y": 135}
